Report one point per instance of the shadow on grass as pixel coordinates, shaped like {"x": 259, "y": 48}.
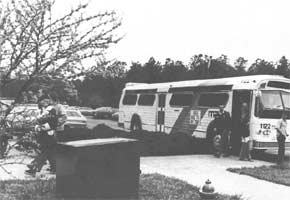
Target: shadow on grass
{"x": 274, "y": 173}
{"x": 151, "y": 187}
{"x": 152, "y": 143}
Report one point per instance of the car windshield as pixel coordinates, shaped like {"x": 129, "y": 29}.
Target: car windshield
{"x": 71, "y": 113}
{"x": 272, "y": 103}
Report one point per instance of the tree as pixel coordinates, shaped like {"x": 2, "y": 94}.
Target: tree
{"x": 116, "y": 69}
{"x": 33, "y": 42}
{"x": 173, "y": 71}
{"x": 147, "y": 73}
{"x": 199, "y": 65}
{"x": 283, "y": 67}
{"x": 220, "y": 68}
{"x": 134, "y": 73}
{"x": 151, "y": 71}
{"x": 240, "y": 66}
{"x": 262, "y": 66}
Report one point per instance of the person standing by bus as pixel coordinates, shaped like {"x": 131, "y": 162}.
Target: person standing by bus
{"x": 223, "y": 124}
{"x": 281, "y": 137}
{"x": 245, "y": 133}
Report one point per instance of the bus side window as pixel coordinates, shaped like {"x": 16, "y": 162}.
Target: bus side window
{"x": 129, "y": 99}
{"x": 146, "y": 100}
{"x": 212, "y": 99}
{"x": 181, "y": 100}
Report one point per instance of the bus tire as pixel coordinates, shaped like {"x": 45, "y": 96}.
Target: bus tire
{"x": 136, "y": 124}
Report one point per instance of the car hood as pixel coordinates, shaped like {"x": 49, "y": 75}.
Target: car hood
{"x": 69, "y": 118}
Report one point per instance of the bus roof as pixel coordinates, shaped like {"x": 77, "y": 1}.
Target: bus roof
{"x": 241, "y": 82}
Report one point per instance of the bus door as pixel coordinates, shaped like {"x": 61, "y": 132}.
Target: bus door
{"x": 161, "y": 113}
{"x": 239, "y": 97}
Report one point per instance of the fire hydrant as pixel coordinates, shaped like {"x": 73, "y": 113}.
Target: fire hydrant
{"x": 207, "y": 191}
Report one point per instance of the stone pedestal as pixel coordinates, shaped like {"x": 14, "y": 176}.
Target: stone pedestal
{"x": 104, "y": 168}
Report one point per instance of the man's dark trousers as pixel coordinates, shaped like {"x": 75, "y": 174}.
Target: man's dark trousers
{"x": 281, "y": 151}
{"x": 225, "y": 142}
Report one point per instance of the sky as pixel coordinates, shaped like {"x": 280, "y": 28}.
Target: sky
{"x": 179, "y": 29}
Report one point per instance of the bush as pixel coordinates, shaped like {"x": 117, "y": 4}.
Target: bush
{"x": 152, "y": 143}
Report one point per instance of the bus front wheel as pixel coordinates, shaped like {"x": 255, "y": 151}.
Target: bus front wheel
{"x": 135, "y": 123}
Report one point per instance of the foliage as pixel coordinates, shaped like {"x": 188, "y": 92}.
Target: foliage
{"x": 262, "y": 66}
{"x": 34, "y": 43}
{"x": 173, "y": 71}
{"x": 240, "y": 66}
{"x": 283, "y": 67}
{"x": 147, "y": 73}
{"x": 200, "y": 67}
{"x": 152, "y": 186}
{"x": 39, "y": 50}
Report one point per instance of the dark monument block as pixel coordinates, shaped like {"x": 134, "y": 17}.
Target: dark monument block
{"x": 104, "y": 168}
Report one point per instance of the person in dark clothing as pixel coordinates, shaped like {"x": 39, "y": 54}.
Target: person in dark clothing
{"x": 46, "y": 140}
{"x": 281, "y": 137}
{"x": 223, "y": 128}
{"x": 3, "y": 142}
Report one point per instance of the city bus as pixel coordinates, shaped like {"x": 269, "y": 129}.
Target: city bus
{"x": 188, "y": 107}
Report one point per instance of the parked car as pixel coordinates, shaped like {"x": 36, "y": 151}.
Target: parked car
{"x": 87, "y": 111}
{"x": 104, "y": 112}
{"x": 75, "y": 119}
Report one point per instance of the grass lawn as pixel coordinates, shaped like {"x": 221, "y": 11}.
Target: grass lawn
{"x": 152, "y": 186}
{"x": 274, "y": 173}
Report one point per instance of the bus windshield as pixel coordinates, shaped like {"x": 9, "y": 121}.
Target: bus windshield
{"x": 271, "y": 104}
